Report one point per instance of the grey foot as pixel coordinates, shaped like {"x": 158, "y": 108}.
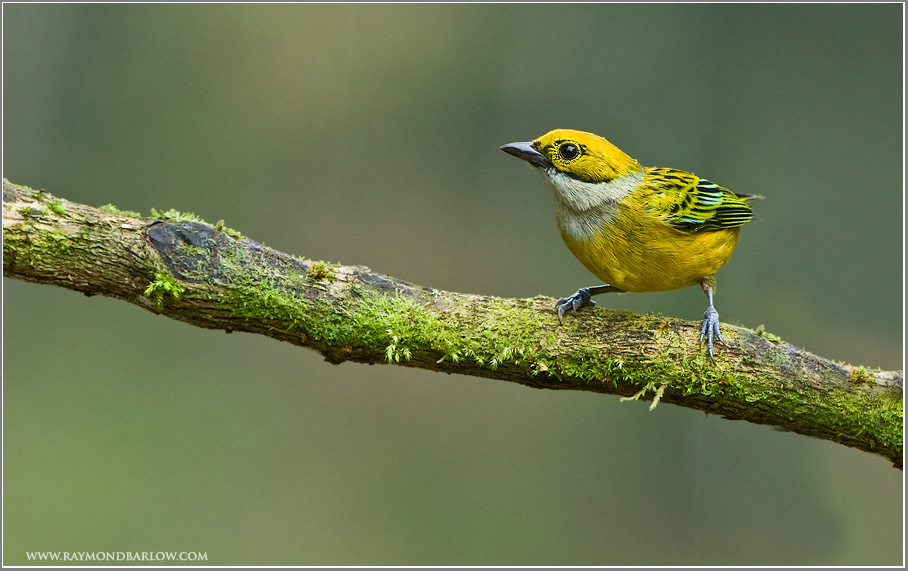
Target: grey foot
{"x": 574, "y": 302}
{"x": 710, "y": 329}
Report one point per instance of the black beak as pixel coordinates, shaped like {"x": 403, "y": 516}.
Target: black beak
{"x": 527, "y": 152}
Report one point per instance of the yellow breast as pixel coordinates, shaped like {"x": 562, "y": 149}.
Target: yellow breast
{"x": 636, "y": 251}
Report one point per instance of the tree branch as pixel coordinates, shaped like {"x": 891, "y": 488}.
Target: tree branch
{"x": 213, "y": 277}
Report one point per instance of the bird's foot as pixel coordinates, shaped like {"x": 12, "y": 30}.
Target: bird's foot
{"x": 574, "y": 302}
{"x": 710, "y": 329}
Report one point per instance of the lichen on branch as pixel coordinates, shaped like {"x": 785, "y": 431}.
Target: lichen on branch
{"x": 214, "y": 277}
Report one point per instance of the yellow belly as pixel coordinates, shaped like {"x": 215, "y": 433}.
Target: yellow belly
{"x": 648, "y": 255}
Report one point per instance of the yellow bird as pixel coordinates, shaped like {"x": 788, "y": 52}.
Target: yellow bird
{"x": 638, "y": 229}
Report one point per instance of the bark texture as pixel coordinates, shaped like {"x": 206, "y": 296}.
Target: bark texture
{"x": 213, "y": 277}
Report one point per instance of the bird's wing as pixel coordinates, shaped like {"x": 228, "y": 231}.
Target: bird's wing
{"x": 688, "y": 202}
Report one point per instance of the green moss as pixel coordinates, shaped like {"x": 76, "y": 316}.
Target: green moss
{"x": 221, "y": 227}
{"x": 673, "y": 368}
{"x": 59, "y": 242}
{"x": 32, "y": 212}
{"x": 504, "y": 334}
{"x": 663, "y": 328}
{"x": 776, "y": 356}
{"x": 196, "y": 258}
{"x": 163, "y": 286}
{"x": 321, "y": 271}
{"x": 57, "y": 207}
{"x": 397, "y": 326}
{"x": 488, "y": 346}
{"x": 114, "y": 210}
{"x": 761, "y": 332}
{"x": 859, "y": 375}
{"x": 175, "y": 216}
{"x": 650, "y": 386}
{"x": 191, "y": 250}
{"x": 594, "y": 365}
{"x": 879, "y": 415}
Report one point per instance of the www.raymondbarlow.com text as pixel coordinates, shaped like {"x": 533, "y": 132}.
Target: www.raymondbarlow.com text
{"x": 130, "y": 556}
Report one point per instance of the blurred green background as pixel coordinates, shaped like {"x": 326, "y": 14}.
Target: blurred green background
{"x": 369, "y": 134}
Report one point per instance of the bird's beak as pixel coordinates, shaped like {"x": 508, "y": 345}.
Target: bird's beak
{"x": 527, "y": 152}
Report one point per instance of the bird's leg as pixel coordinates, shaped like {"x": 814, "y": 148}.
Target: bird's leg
{"x": 710, "y": 326}
{"x": 582, "y": 298}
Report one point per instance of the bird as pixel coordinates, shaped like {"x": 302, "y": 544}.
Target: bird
{"x": 638, "y": 229}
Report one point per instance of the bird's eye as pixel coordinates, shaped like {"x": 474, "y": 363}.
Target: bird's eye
{"x": 569, "y": 151}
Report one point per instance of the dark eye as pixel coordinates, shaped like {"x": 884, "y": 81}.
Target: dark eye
{"x": 569, "y": 151}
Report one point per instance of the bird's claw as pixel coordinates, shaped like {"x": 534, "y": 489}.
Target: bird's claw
{"x": 580, "y": 299}
{"x": 710, "y": 329}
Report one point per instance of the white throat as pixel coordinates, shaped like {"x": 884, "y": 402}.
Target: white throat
{"x": 582, "y": 208}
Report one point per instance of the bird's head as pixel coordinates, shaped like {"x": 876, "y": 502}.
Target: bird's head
{"x": 581, "y": 156}
{"x": 584, "y": 170}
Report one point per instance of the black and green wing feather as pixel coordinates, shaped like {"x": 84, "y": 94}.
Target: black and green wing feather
{"x": 688, "y": 202}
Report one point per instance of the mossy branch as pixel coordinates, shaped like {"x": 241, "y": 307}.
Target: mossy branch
{"x": 213, "y": 277}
